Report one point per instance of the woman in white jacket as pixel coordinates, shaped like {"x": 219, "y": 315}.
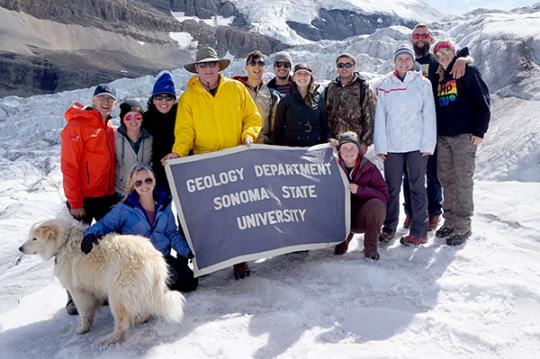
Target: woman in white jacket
{"x": 405, "y": 134}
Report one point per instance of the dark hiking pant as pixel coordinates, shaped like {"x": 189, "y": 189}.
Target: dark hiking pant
{"x": 455, "y": 167}
{"x": 97, "y": 207}
{"x": 433, "y": 187}
{"x": 180, "y": 275}
{"x": 393, "y": 174}
{"x": 368, "y": 218}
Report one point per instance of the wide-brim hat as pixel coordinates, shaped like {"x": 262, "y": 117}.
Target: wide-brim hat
{"x": 207, "y": 54}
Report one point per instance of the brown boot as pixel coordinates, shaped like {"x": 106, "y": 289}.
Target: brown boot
{"x": 343, "y": 246}
{"x": 433, "y": 223}
{"x": 241, "y": 270}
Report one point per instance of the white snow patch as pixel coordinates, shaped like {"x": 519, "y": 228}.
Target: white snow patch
{"x": 213, "y": 21}
{"x": 183, "y": 39}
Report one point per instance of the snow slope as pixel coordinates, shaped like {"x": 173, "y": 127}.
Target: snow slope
{"x": 270, "y": 17}
{"x": 479, "y": 301}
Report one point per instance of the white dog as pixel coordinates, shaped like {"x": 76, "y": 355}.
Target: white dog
{"x": 127, "y": 270}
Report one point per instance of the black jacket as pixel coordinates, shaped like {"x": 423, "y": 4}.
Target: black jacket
{"x": 298, "y": 125}
{"x": 463, "y": 104}
{"x": 161, "y": 127}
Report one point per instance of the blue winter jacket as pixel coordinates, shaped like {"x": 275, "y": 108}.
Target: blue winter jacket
{"x": 129, "y": 217}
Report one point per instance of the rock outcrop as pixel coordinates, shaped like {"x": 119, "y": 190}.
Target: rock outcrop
{"x": 340, "y": 24}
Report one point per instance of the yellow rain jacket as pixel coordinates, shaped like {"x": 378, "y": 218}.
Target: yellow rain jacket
{"x": 207, "y": 123}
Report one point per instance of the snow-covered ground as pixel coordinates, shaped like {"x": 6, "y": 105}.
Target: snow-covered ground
{"x": 478, "y": 301}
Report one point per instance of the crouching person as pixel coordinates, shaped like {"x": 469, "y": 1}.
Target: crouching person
{"x": 369, "y": 195}
{"x": 147, "y": 212}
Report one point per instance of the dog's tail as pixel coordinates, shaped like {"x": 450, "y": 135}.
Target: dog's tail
{"x": 167, "y": 304}
{"x": 170, "y": 306}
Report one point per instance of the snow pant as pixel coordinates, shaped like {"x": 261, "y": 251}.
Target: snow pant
{"x": 393, "y": 174}
{"x": 96, "y": 207}
{"x": 456, "y": 164}
{"x": 368, "y": 218}
{"x": 180, "y": 275}
{"x": 433, "y": 187}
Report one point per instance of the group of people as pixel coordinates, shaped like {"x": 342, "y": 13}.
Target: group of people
{"x": 431, "y": 100}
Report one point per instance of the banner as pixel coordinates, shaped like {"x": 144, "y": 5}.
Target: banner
{"x": 247, "y": 203}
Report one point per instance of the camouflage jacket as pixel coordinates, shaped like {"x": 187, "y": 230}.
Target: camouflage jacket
{"x": 351, "y": 108}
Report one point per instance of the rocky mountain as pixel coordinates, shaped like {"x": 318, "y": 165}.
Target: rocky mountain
{"x": 54, "y": 45}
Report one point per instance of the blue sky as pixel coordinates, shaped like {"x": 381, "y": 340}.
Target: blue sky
{"x": 461, "y": 6}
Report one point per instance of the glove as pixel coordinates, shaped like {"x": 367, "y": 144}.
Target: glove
{"x": 88, "y": 242}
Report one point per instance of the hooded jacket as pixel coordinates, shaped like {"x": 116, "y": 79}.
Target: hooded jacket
{"x": 405, "y": 115}
{"x": 87, "y": 155}
{"x": 129, "y": 217}
{"x": 463, "y": 105}
{"x": 206, "y": 123}
{"x": 126, "y": 157}
{"x": 369, "y": 180}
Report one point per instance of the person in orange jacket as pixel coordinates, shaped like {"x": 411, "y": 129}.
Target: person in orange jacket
{"x": 87, "y": 158}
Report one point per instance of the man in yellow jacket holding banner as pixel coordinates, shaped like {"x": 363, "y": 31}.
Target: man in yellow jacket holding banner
{"x": 214, "y": 113}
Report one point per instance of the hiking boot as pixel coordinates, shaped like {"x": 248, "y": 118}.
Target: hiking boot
{"x": 385, "y": 237}
{"x": 71, "y": 308}
{"x": 408, "y": 240}
{"x": 343, "y": 246}
{"x": 444, "y": 232}
{"x": 457, "y": 239}
{"x": 241, "y": 270}
{"x": 407, "y": 222}
{"x": 433, "y": 223}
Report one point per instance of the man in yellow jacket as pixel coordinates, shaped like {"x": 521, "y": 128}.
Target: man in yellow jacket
{"x": 214, "y": 113}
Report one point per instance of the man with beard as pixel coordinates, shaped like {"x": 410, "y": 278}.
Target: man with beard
{"x": 421, "y": 40}
{"x": 282, "y": 69}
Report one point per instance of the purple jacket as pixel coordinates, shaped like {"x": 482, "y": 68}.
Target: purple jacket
{"x": 369, "y": 180}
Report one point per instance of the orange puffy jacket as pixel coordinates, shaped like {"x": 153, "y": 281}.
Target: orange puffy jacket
{"x": 87, "y": 158}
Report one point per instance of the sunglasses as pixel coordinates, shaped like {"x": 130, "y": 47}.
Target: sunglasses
{"x": 139, "y": 183}
{"x": 165, "y": 97}
{"x": 210, "y": 64}
{"x": 136, "y": 116}
{"x": 444, "y": 52}
{"x": 260, "y": 63}
{"x": 346, "y": 65}
{"x": 421, "y": 36}
{"x": 284, "y": 64}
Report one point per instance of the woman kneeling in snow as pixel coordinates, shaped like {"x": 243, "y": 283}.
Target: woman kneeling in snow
{"x": 146, "y": 211}
{"x": 369, "y": 195}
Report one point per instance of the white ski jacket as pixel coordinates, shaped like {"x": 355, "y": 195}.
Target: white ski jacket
{"x": 405, "y": 119}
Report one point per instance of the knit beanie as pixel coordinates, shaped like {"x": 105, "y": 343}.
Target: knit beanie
{"x": 283, "y": 56}
{"x": 349, "y": 136}
{"x": 404, "y": 49}
{"x": 444, "y": 44}
{"x": 164, "y": 84}
{"x": 128, "y": 106}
